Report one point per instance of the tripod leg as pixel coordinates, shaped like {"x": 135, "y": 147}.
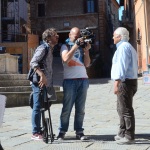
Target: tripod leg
{"x": 1, "y": 148}
{"x": 44, "y": 127}
{"x": 45, "y": 131}
{"x": 50, "y": 127}
{"x": 44, "y": 124}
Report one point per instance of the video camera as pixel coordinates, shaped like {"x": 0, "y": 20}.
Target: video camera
{"x": 88, "y": 36}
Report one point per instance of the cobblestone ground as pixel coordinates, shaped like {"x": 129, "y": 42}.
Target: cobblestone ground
{"x": 101, "y": 123}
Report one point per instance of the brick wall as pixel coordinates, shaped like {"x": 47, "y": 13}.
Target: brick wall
{"x": 65, "y": 7}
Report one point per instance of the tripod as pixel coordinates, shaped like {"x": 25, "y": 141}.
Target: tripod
{"x": 46, "y": 122}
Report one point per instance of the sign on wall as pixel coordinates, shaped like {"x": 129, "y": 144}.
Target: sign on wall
{"x": 146, "y": 77}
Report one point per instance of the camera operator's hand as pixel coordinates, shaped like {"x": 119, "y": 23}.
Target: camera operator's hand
{"x": 87, "y": 59}
{"x": 79, "y": 41}
{"x": 87, "y": 47}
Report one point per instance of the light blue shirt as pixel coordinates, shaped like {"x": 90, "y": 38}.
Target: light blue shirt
{"x": 124, "y": 63}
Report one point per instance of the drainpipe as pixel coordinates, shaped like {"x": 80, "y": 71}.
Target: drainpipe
{"x": 98, "y": 3}
{"x": 147, "y": 53}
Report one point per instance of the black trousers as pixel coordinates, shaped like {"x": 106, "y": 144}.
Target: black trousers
{"x": 127, "y": 89}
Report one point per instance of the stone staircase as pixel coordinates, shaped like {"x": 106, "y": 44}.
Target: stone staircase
{"x": 17, "y": 90}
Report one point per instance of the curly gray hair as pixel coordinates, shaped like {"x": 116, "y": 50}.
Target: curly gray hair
{"x": 48, "y": 33}
{"x": 123, "y": 32}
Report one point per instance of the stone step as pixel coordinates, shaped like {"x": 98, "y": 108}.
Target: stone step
{"x": 6, "y": 83}
{"x": 15, "y": 89}
{"x": 21, "y": 89}
{"x": 13, "y": 77}
{"x": 17, "y": 99}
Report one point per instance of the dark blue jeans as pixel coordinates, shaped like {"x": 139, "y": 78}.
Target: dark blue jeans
{"x": 36, "y": 113}
{"x": 75, "y": 92}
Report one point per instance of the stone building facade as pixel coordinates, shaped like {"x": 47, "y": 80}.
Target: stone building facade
{"x": 101, "y": 16}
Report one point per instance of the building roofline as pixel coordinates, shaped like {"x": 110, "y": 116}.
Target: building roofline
{"x": 121, "y": 2}
{"x": 116, "y": 3}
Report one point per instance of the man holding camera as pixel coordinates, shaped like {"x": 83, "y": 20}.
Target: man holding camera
{"x": 75, "y": 84}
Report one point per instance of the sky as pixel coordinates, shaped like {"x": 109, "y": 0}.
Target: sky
{"x": 120, "y": 10}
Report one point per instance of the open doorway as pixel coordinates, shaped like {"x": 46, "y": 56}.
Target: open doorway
{"x": 62, "y": 37}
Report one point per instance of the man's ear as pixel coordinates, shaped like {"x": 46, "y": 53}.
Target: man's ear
{"x": 48, "y": 39}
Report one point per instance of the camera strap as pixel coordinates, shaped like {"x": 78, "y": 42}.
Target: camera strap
{"x": 69, "y": 46}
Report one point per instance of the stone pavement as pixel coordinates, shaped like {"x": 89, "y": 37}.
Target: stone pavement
{"x": 101, "y": 123}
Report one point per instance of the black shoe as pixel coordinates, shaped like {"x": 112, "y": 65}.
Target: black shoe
{"x": 61, "y": 136}
{"x": 81, "y": 136}
{"x": 1, "y": 148}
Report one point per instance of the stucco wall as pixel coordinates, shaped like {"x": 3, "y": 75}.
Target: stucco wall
{"x": 141, "y": 25}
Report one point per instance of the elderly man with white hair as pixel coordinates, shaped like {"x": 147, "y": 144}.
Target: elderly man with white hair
{"x": 124, "y": 73}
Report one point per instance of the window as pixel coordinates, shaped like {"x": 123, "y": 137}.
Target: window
{"x": 41, "y": 10}
{"x": 90, "y": 6}
{"x": 139, "y": 34}
{"x": 138, "y": 37}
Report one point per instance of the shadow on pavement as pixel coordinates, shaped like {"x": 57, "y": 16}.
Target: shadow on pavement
{"x": 143, "y": 136}
{"x": 139, "y": 138}
{"x": 100, "y": 81}
{"x": 101, "y": 137}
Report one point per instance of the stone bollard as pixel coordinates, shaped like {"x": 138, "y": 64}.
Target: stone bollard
{"x": 8, "y": 64}
{"x": 2, "y": 107}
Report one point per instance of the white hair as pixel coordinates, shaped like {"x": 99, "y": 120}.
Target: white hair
{"x": 123, "y": 32}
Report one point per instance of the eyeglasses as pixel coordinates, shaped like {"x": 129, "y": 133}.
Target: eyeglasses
{"x": 56, "y": 35}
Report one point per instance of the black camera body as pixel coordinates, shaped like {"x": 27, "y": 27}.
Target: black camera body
{"x": 88, "y": 37}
